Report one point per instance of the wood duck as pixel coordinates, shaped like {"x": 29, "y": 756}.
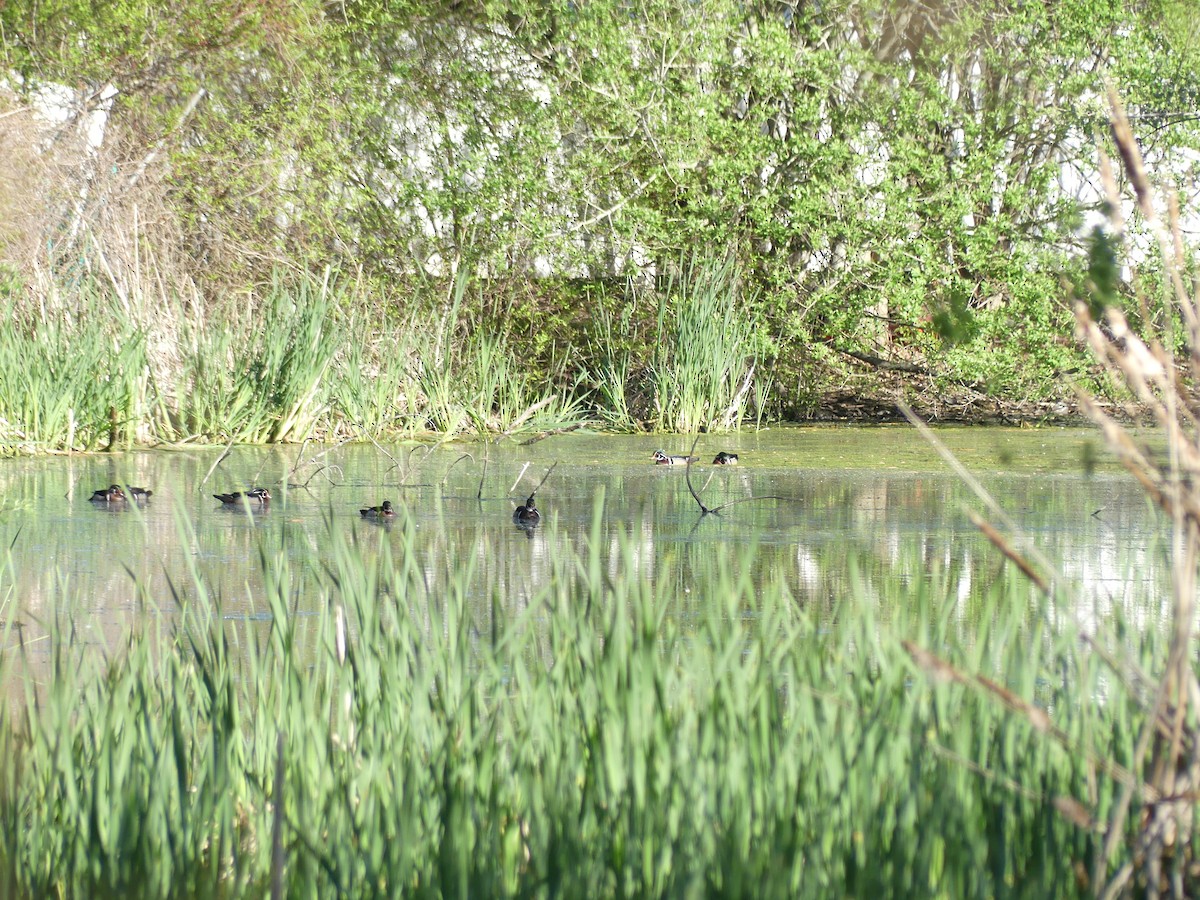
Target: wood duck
{"x": 111, "y": 494}
{"x": 725, "y": 459}
{"x": 254, "y": 495}
{"x": 527, "y": 514}
{"x": 384, "y": 511}
{"x": 114, "y": 494}
{"x": 662, "y": 459}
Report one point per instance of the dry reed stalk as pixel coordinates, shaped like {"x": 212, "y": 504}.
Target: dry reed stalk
{"x": 1167, "y": 389}
{"x": 1164, "y": 774}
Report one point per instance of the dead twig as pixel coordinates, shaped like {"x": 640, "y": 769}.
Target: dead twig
{"x": 541, "y": 436}
{"x": 220, "y": 459}
{"x": 715, "y": 510}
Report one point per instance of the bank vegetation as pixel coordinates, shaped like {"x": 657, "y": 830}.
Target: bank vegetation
{"x": 255, "y": 223}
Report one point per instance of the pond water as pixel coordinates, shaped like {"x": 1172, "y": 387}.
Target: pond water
{"x": 875, "y": 500}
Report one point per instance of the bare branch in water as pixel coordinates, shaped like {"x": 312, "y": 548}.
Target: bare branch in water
{"x": 519, "y": 477}
{"x": 300, "y": 461}
{"x": 704, "y": 510}
{"x": 544, "y": 477}
{"x": 455, "y": 463}
{"x": 220, "y": 459}
{"x": 395, "y": 462}
{"x": 541, "y": 436}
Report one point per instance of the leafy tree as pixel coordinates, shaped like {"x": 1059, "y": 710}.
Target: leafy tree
{"x": 888, "y": 174}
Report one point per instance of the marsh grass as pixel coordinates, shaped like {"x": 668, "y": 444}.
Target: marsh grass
{"x": 469, "y": 377}
{"x": 375, "y": 385}
{"x": 305, "y": 358}
{"x": 261, "y": 378}
{"x": 701, "y": 371}
{"x": 68, "y": 385}
{"x": 614, "y": 734}
{"x": 614, "y": 369}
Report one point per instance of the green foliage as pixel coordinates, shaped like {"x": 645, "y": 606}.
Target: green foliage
{"x": 1102, "y": 272}
{"x": 887, "y": 181}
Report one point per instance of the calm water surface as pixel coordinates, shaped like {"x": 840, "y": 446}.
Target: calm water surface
{"x": 877, "y": 500}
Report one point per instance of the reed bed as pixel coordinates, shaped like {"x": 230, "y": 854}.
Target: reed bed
{"x": 701, "y": 371}
{"x": 304, "y": 358}
{"x": 64, "y": 383}
{"x": 703, "y": 367}
{"x": 612, "y": 735}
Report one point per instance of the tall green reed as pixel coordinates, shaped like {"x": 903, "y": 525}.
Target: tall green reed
{"x": 614, "y": 376}
{"x": 617, "y": 734}
{"x": 70, "y": 384}
{"x": 701, "y": 370}
{"x": 470, "y": 378}
{"x": 373, "y": 390}
{"x": 261, "y": 376}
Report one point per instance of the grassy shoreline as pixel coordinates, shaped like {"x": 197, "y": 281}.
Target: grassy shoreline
{"x": 330, "y": 359}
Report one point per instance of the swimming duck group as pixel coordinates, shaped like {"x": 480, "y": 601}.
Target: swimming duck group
{"x": 526, "y": 515}
{"x": 114, "y": 494}
{"x": 662, "y": 458}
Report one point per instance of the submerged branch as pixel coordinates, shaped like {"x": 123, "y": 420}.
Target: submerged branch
{"x": 704, "y": 510}
{"x": 220, "y": 459}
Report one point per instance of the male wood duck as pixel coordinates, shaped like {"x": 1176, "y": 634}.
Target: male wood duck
{"x": 725, "y": 459}
{"x": 527, "y": 514}
{"x": 384, "y": 511}
{"x": 254, "y": 495}
{"x": 662, "y": 459}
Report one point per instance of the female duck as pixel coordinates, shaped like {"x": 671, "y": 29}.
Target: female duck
{"x": 725, "y": 459}
{"x": 114, "y": 494}
{"x": 111, "y": 494}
